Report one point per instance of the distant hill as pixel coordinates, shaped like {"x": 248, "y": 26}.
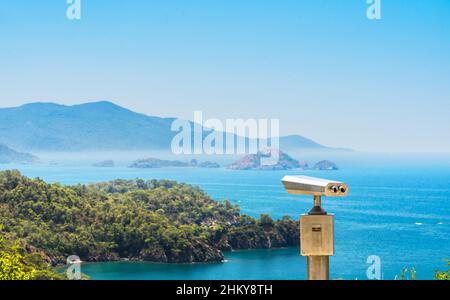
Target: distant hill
{"x": 96, "y": 126}
{"x": 8, "y": 155}
{"x": 325, "y": 165}
{"x": 91, "y": 126}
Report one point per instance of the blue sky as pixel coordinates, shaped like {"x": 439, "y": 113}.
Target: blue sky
{"x": 320, "y": 66}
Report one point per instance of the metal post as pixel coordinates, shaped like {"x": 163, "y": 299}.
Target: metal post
{"x": 317, "y": 201}
{"x": 317, "y": 209}
{"x": 318, "y": 267}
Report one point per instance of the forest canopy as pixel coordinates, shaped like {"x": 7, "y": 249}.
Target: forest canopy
{"x": 153, "y": 220}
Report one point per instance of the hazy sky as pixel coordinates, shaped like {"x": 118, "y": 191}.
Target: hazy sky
{"x": 322, "y": 67}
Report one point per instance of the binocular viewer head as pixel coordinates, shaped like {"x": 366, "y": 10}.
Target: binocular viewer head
{"x": 305, "y": 185}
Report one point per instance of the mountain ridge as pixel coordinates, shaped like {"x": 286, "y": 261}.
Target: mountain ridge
{"x": 8, "y": 155}
{"x": 100, "y": 125}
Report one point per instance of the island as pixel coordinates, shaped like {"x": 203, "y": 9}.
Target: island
{"x": 264, "y": 160}
{"x": 205, "y": 164}
{"x": 209, "y": 165}
{"x": 159, "y": 163}
{"x": 325, "y": 165}
{"x": 154, "y": 220}
{"x": 267, "y": 160}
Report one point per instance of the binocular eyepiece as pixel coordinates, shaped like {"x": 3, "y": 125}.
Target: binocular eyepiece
{"x": 336, "y": 189}
{"x": 305, "y": 185}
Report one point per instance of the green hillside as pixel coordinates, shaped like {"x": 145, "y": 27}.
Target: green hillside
{"x": 160, "y": 221}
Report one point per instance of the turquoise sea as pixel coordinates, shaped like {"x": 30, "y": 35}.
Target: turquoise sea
{"x": 398, "y": 209}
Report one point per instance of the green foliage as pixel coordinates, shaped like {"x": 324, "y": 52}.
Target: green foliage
{"x": 152, "y": 220}
{"x": 12, "y": 266}
{"x": 266, "y": 221}
{"x": 17, "y": 264}
{"x": 404, "y": 275}
{"x": 249, "y": 233}
{"x": 445, "y": 275}
{"x": 439, "y": 275}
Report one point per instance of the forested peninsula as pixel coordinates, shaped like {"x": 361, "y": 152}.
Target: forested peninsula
{"x": 154, "y": 220}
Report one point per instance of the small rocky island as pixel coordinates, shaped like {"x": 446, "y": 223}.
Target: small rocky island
{"x": 325, "y": 165}
{"x": 8, "y": 156}
{"x": 266, "y": 160}
{"x": 149, "y": 163}
{"x": 205, "y": 164}
{"x": 273, "y": 159}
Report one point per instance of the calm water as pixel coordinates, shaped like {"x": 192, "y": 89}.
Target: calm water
{"x": 400, "y": 212}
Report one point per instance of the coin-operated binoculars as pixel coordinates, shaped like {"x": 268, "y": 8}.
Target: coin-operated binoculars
{"x": 316, "y": 227}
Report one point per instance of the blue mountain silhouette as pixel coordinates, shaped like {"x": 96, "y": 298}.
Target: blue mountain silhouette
{"x": 95, "y": 126}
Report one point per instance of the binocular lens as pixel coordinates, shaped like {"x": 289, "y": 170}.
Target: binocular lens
{"x": 336, "y": 189}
